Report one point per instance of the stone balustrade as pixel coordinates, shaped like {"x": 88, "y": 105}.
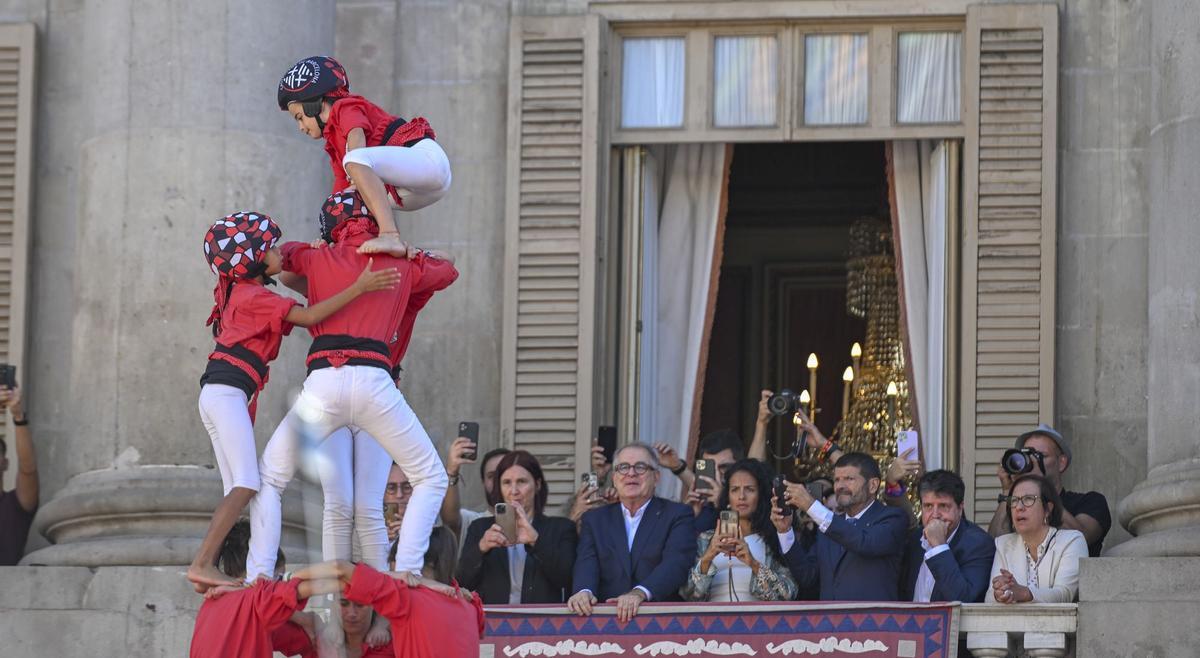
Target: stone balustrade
{"x": 993, "y": 630}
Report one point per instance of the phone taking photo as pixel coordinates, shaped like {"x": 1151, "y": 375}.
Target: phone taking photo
{"x": 727, "y": 523}
{"x": 470, "y": 430}
{"x": 606, "y": 438}
{"x": 506, "y": 518}
{"x": 708, "y": 469}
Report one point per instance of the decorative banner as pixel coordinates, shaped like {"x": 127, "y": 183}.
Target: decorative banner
{"x": 846, "y": 630}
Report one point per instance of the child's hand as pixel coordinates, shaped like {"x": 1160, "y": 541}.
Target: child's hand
{"x": 318, "y": 243}
{"x": 370, "y": 281}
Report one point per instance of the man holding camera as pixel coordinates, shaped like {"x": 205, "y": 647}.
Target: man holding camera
{"x": 1043, "y": 450}
{"x": 857, "y": 554}
{"x": 18, "y": 505}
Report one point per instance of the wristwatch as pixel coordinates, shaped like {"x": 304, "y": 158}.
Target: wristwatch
{"x": 682, "y": 468}
{"x": 453, "y": 480}
{"x": 21, "y": 423}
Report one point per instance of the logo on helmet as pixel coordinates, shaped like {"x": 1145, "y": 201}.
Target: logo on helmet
{"x": 301, "y": 76}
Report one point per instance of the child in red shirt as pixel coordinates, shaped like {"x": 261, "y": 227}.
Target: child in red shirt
{"x": 379, "y": 153}
{"x": 249, "y": 323}
{"x": 432, "y": 620}
{"x": 253, "y": 621}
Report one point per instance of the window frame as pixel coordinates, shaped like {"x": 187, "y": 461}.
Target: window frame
{"x": 699, "y": 69}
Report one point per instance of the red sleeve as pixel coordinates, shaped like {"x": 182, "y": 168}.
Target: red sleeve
{"x": 435, "y": 275}
{"x": 275, "y": 602}
{"x": 387, "y": 595}
{"x": 350, "y": 115}
{"x": 291, "y": 640}
{"x": 295, "y": 256}
{"x": 271, "y": 310}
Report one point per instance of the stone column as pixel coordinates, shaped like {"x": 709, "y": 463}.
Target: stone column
{"x": 181, "y": 128}
{"x": 1164, "y": 510}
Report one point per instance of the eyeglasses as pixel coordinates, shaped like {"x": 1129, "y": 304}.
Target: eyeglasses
{"x": 641, "y": 468}
{"x": 403, "y": 487}
{"x": 1023, "y": 501}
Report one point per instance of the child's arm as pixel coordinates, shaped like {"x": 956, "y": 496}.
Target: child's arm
{"x": 368, "y": 281}
{"x": 296, "y": 282}
{"x": 355, "y": 139}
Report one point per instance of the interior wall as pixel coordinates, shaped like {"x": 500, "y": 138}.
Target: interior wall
{"x": 788, "y": 204}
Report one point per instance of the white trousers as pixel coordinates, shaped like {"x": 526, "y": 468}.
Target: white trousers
{"x": 354, "y": 470}
{"x": 225, "y": 414}
{"x": 364, "y": 396}
{"x": 420, "y": 173}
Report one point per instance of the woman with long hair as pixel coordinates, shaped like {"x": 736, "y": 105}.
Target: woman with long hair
{"x": 742, "y": 562}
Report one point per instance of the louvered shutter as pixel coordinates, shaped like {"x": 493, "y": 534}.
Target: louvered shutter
{"x": 16, "y": 130}
{"x": 1011, "y": 101}
{"x": 549, "y": 287}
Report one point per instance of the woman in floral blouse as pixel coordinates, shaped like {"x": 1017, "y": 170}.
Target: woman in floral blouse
{"x": 743, "y": 564}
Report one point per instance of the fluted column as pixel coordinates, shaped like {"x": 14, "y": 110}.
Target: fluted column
{"x": 1164, "y": 510}
{"x": 181, "y": 128}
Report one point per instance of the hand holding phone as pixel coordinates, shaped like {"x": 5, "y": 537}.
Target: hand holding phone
{"x": 470, "y": 430}
{"x": 606, "y": 438}
{"x": 705, "y": 468}
{"x": 506, "y": 518}
{"x": 780, "y": 488}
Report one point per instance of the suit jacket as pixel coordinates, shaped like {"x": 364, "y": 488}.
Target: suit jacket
{"x": 1058, "y": 569}
{"x": 857, "y": 561}
{"x": 664, "y": 549}
{"x": 548, "y": 563}
{"x": 959, "y": 574}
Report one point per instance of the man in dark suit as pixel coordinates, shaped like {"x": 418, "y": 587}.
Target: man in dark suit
{"x": 856, "y": 556}
{"x": 637, "y": 549}
{"x": 950, "y": 558}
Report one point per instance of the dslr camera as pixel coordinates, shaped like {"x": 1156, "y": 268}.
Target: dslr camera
{"x": 784, "y": 403}
{"x": 1019, "y": 461}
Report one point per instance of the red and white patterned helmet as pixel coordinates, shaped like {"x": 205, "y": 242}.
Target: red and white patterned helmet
{"x": 237, "y": 242}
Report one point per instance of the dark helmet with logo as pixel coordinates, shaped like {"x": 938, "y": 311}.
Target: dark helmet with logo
{"x": 310, "y": 80}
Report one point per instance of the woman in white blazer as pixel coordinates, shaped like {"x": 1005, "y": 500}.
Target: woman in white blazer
{"x": 1039, "y": 562}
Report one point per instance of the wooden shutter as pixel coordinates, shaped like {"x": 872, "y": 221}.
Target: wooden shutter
{"x": 550, "y": 248}
{"x": 17, "y": 70}
{"x": 1010, "y": 111}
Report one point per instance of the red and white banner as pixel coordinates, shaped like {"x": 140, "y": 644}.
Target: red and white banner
{"x": 843, "y": 630}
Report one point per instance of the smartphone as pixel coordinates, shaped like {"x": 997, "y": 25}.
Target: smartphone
{"x": 391, "y": 512}
{"x": 8, "y": 376}
{"x": 780, "y": 487}
{"x": 606, "y": 437}
{"x": 727, "y": 523}
{"x": 470, "y": 430}
{"x": 506, "y": 518}
{"x": 707, "y": 468}
{"x": 906, "y": 444}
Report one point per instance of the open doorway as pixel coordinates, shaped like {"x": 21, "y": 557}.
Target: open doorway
{"x": 782, "y": 283}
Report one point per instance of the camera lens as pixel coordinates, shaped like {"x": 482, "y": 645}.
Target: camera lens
{"x": 1016, "y": 463}
{"x": 782, "y": 403}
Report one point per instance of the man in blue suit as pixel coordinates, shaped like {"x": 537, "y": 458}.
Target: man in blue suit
{"x": 950, "y": 558}
{"x": 637, "y": 549}
{"x": 857, "y": 553}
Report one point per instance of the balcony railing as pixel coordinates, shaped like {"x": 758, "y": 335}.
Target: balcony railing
{"x": 1032, "y": 629}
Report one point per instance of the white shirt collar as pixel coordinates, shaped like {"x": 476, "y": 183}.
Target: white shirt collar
{"x": 637, "y": 515}
{"x": 863, "y": 510}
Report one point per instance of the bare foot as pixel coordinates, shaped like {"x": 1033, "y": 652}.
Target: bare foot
{"x": 385, "y": 243}
{"x": 208, "y": 576}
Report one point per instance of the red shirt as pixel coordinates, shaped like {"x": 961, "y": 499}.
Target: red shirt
{"x": 255, "y": 318}
{"x": 292, "y": 640}
{"x": 437, "y": 275}
{"x": 378, "y": 315}
{"x": 424, "y": 622}
{"x": 239, "y": 624}
{"x": 348, "y": 113}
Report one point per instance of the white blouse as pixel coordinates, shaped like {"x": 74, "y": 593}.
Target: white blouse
{"x": 740, "y": 573}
